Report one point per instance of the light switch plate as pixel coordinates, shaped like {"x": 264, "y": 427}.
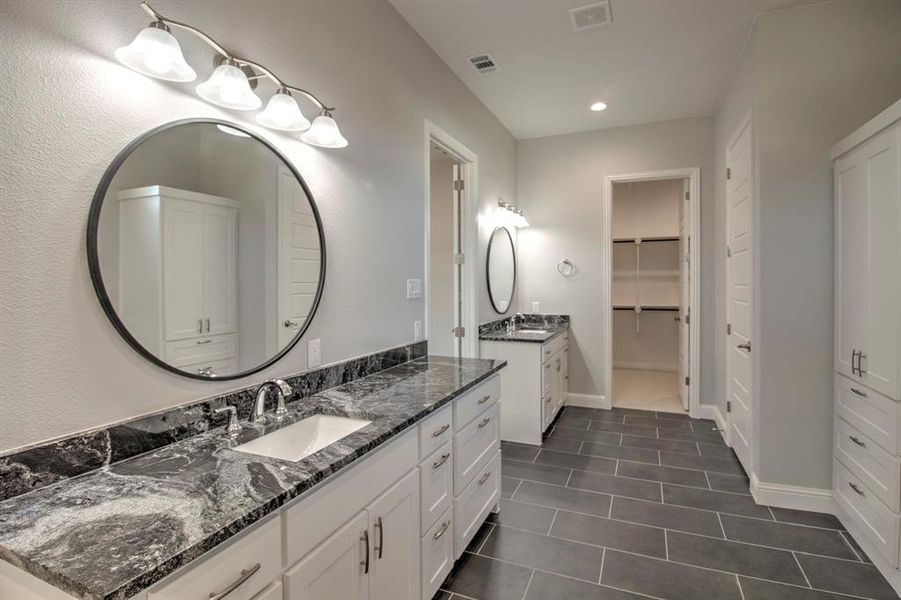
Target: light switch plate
{"x": 314, "y": 353}
{"x": 417, "y": 331}
{"x": 536, "y": 307}
{"x": 414, "y": 289}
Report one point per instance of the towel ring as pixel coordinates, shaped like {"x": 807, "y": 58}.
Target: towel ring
{"x": 566, "y": 268}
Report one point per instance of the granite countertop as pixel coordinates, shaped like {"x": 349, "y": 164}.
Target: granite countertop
{"x": 113, "y": 532}
{"x": 526, "y": 334}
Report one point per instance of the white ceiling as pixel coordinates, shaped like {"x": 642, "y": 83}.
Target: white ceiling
{"x": 658, "y": 60}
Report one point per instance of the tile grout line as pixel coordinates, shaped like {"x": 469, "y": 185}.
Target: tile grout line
{"x": 601, "y": 574}
{"x": 853, "y": 549}
{"x": 666, "y": 544}
{"x": 490, "y": 531}
{"x": 719, "y": 519}
{"x": 707, "y": 477}
{"x": 798, "y": 562}
{"x": 740, "y": 591}
{"x": 553, "y": 519}
{"x": 526, "y": 592}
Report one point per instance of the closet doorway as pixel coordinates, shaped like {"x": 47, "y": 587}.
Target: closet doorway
{"x": 651, "y": 291}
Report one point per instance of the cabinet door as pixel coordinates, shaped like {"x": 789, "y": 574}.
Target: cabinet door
{"x": 182, "y": 268}
{"x": 220, "y": 272}
{"x": 336, "y": 568}
{"x": 394, "y": 531}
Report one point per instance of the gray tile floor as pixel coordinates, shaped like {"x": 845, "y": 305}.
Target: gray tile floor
{"x": 628, "y": 504}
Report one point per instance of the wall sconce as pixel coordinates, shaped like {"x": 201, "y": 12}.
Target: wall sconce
{"x": 155, "y": 52}
{"x": 510, "y": 216}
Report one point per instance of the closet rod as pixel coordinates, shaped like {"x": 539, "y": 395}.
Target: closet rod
{"x": 644, "y": 308}
{"x": 644, "y": 240}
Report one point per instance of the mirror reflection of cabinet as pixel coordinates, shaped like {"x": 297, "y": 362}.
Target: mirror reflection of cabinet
{"x": 178, "y": 275}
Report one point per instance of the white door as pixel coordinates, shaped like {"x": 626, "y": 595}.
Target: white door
{"x": 182, "y": 269}
{"x": 739, "y": 294}
{"x": 220, "y": 269}
{"x": 684, "y": 302}
{"x": 394, "y": 531}
{"x": 298, "y": 257}
{"x": 337, "y": 568}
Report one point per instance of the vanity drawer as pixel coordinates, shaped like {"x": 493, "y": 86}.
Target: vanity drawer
{"x": 471, "y": 508}
{"x": 258, "y": 550}
{"x": 547, "y": 377}
{"x": 547, "y": 411}
{"x": 475, "y": 445}
{"x": 437, "y": 553}
{"x": 468, "y": 406}
{"x": 872, "y": 517}
{"x": 203, "y": 349}
{"x": 436, "y": 430}
{"x": 553, "y": 346}
{"x": 436, "y": 480}
{"x": 870, "y": 463}
{"x": 875, "y": 415}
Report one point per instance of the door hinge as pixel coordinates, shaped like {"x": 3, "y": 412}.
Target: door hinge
{"x": 728, "y": 406}
{"x": 687, "y": 379}
{"x": 458, "y": 185}
{"x": 728, "y": 252}
{"x": 728, "y": 173}
{"x": 688, "y": 319}
{"x": 728, "y": 328}
{"x": 459, "y": 258}
{"x": 459, "y": 332}
{"x": 687, "y": 195}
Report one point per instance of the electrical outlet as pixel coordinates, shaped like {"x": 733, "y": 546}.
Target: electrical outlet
{"x": 536, "y": 307}
{"x": 417, "y": 331}
{"x": 414, "y": 289}
{"x": 314, "y": 353}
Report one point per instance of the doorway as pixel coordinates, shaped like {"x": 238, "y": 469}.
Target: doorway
{"x": 650, "y": 241}
{"x": 450, "y": 287}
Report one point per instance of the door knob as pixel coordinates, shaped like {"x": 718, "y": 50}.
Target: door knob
{"x": 289, "y": 323}
{"x": 745, "y": 346}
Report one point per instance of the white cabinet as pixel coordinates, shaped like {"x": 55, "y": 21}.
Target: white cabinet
{"x": 867, "y": 465}
{"x": 178, "y": 275}
{"x": 394, "y": 531}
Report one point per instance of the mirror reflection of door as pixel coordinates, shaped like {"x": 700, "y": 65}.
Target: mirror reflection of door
{"x": 444, "y": 295}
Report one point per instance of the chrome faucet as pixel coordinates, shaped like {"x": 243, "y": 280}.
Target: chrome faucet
{"x": 511, "y": 324}
{"x": 282, "y": 390}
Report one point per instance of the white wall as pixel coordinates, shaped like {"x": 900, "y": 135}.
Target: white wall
{"x": 561, "y": 182}
{"x": 70, "y": 108}
{"x": 813, "y": 75}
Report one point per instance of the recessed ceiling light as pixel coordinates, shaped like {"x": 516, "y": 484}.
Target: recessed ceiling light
{"x": 598, "y": 106}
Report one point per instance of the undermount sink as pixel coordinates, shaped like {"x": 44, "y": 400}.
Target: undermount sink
{"x": 529, "y": 330}
{"x": 303, "y": 438}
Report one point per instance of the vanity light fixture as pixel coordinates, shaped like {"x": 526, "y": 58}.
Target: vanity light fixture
{"x": 598, "y": 106}
{"x": 509, "y": 216}
{"x": 155, "y": 52}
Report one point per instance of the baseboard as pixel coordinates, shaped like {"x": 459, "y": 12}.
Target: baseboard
{"x": 792, "y": 496}
{"x": 891, "y": 574}
{"x": 586, "y": 400}
{"x": 646, "y": 366}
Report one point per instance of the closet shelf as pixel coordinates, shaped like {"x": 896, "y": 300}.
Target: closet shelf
{"x": 645, "y": 240}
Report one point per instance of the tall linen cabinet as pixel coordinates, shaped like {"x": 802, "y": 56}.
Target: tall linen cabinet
{"x": 867, "y": 445}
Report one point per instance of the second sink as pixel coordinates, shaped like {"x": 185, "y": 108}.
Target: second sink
{"x": 303, "y": 438}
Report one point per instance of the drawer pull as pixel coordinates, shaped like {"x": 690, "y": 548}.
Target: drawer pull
{"x": 859, "y": 393}
{"x": 440, "y": 430}
{"x": 484, "y": 478}
{"x": 381, "y": 545}
{"x": 245, "y": 575}
{"x": 485, "y": 399}
{"x": 441, "y": 460}
{"x": 857, "y": 441}
{"x": 441, "y": 531}
{"x": 856, "y": 488}
{"x": 204, "y": 342}
{"x": 364, "y": 537}
{"x": 484, "y": 422}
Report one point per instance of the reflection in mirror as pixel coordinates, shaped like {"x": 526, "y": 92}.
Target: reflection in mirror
{"x": 501, "y": 269}
{"x": 206, "y": 249}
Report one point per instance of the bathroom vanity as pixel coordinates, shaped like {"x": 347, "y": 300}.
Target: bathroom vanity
{"x": 381, "y": 513}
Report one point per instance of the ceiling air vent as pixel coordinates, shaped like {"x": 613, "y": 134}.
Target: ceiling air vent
{"x": 590, "y": 16}
{"x": 483, "y": 63}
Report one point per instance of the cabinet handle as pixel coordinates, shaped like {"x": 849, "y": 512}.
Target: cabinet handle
{"x": 484, "y": 422}
{"x": 859, "y": 393}
{"x": 857, "y": 489}
{"x": 485, "y": 399}
{"x": 199, "y": 325}
{"x": 441, "y": 531}
{"x": 440, "y": 430}
{"x": 854, "y": 367}
{"x": 860, "y": 358}
{"x": 857, "y": 441}
{"x": 245, "y": 575}
{"x": 365, "y": 562}
{"x": 207, "y": 325}
{"x": 441, "y": 460}
{"x": 381, "y": 545}
{"x": 484, "y": 478}
{"x": 204, "y": 342}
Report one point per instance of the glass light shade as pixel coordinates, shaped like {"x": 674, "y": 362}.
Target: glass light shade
{"x": 155, "y": 52}
{"x": 324, "y": 132}
{"x": 228, "y": 87}
{"x": 283, "y": 113}
{"x": 521, "y": 219}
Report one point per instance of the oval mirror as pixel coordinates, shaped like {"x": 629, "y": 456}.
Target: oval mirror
{"x": 501, "y": 269}
{"x": 206, "y": 249}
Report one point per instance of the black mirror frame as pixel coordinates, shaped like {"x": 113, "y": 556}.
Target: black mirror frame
{"x": 497, "y": 231}
{"x": 94, "y": 259}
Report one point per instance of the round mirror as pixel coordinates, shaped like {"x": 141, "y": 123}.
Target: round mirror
{"x": 206, "y": 249}
{"x": 501, "y": 269}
